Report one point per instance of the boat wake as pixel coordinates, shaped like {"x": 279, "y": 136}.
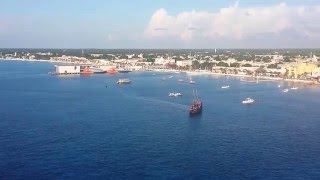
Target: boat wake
{"x": 161, "y": 102}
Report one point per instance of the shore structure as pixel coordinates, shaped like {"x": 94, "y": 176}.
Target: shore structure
{"x": 272, "y": 67}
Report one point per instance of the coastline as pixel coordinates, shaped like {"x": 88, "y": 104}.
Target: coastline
{"x": 191, "y": 73}
{"x": 38, "y": 60}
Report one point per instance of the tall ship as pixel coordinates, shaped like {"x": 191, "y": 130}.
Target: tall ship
{"x": 196, "y": 107}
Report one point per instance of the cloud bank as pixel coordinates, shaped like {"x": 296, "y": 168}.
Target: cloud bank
{"x": 236, "y": 23}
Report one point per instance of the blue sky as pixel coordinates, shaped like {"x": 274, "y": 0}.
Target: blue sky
{"x": 136, "y": 24}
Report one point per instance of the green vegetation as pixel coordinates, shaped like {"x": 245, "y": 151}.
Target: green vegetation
{"x": 247, "y": 65}
{"x": 223, "y": 64}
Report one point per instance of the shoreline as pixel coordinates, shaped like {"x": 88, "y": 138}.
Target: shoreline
{"x": 36, "y": 60}
{"x": 191, "y": 73}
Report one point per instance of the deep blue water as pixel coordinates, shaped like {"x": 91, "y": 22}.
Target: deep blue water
{"x": 73, "y": 127}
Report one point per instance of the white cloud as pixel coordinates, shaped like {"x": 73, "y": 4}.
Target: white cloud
{"x": 235, "y": 23}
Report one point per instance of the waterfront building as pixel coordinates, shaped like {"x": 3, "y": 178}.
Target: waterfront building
{"x": 96, "y": 55}
{"x": 184, "y": 63}
{"x": 163, "y": 61}
{"x": 315, "y": 73}
{"x": 300, "y": 69}
{"x": 67, "y": 69}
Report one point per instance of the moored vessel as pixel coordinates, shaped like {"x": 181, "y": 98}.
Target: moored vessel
{"x": 248, "y": 101}
{"x": 123, "y": 71}
{"x": 123, "y": 81}
{"x": 174, "y": 94}
{"x": 86, "y": 71}
{"x": 285, "y": 90}
{"x": 112, "y": 71}
{"x": 96, "y": 70}
{"x": 196, "y": 107}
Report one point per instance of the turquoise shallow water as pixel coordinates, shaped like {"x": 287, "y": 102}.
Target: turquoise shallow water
{"x": 73, "y": 127}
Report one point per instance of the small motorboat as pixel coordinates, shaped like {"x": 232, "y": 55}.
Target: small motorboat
{"x": 175, "y": 94}
{"x": 180, "y": 80}
{"x": 192, "y": 82}
{"x": 248, "y": 101}
{"x": 294, "y": 88}
{"x": 285, "y": 90}
{"x": 123, "y": 81}
{"x": 170, "y": 77}
{"x": 225, "y": 87}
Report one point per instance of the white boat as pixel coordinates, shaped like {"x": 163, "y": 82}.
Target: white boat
{"x": 97, "y": 70}
{"x": 225, "y": 87}
{"x": 294, "y": 88}
{"x": 279, "y": 86}
{"x": 175, "y": 94}
{"x": 180, "y": 80}
{"x": 285, "y": 90}
{"x": 123, "y": 81}
{"x": 170, "y": 77}
{"x": 248, "y": 101}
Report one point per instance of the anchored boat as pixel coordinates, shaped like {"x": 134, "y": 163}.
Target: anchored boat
{"x": 248, "y": 101}
{"x": 196, "y": 107}
{"x": 123, "y": 81}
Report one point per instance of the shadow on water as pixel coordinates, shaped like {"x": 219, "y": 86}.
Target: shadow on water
{"x": 195, "y": 121}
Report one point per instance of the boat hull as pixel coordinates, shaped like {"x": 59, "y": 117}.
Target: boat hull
{"x": 195, "y": 112}
{"x": 196, "y": 108}
{"x": 124, "y": 71}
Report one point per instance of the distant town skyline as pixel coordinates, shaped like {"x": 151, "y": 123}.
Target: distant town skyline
{"x": 159, "y": 24}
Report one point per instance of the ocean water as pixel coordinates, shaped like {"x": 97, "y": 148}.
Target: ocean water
{"x": 74, "y": 127}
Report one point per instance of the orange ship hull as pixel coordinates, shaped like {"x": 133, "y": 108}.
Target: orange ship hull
{"x": 112, "y": 71}
{"x": 86, "y": 72}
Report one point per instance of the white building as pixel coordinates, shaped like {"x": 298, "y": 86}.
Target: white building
{"x": 162, "y": 61}
{"x": 184, "y": 63}
{"x": 230, "y": 61}
{"x": 67, "y": 69}
{"x": 130, "y": 56}
{"x": 45, "y": 54}
{"x": 96, "y": 55}
{"x": 315, "y": 73}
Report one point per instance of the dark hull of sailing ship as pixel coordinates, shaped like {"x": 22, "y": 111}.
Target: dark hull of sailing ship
{"x": 196, "y": 108}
